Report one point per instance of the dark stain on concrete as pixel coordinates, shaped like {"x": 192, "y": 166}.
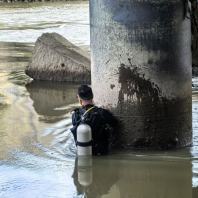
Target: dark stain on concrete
{"x": 134, "y": 85}
{"x": 155, "y": 121}
{"x": 108, "y": 61}
{"x": 112, "y": 86}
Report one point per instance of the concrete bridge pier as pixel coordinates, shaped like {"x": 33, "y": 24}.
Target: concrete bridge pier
{"x": 141, "y": 69}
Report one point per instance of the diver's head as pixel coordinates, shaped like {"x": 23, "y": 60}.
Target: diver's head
{"x": 85, "y": 95}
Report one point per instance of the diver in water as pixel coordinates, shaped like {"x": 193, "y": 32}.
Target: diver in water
{"x": 103, "y": 124}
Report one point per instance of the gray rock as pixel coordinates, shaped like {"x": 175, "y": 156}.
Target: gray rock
{"x": 56, "y": 59}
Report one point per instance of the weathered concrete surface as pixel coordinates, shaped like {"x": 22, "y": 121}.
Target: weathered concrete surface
{"x": 56, "y": 59}
{"x": 141, "y": 69}
{"x": 194, "y": 19}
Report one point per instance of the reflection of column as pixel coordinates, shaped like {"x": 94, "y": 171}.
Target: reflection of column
{"x": 156, "y": 179}
{"x": 195, "y": 192}
{"x": 136, "y": 178}
{"x": 141, "y": 58}
{"x": 48, "y": 97}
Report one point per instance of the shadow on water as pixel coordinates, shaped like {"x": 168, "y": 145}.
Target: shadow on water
{"x": 52, "y": 100}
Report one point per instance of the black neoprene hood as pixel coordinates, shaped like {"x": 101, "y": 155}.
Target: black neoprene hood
{"x": 85, "y": 92}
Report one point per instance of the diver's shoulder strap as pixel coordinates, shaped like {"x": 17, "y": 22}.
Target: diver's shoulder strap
{"x": 88, "y": 110}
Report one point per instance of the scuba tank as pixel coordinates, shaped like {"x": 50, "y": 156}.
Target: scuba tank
{"x": 84, "y": 140}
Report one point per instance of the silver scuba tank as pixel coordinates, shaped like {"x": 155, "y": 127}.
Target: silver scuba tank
{"x": 84, "y": 140}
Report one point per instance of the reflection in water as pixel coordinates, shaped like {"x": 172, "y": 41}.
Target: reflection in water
{"x": 15, "y": 52}
{"x": 94, "y": 178}
{"x": 52, "y": 100}
{"x": 195, "y": 193}
{"x": 137, "y": 177}
{"x": 18, "y": 77}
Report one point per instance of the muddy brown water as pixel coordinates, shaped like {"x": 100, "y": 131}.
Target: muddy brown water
{"x": 37, "y": 154}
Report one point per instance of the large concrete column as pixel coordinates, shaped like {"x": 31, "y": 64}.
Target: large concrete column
{"x": 141, "y": 69}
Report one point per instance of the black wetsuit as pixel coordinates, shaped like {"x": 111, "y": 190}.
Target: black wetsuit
{"x": 102, "y": 123}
